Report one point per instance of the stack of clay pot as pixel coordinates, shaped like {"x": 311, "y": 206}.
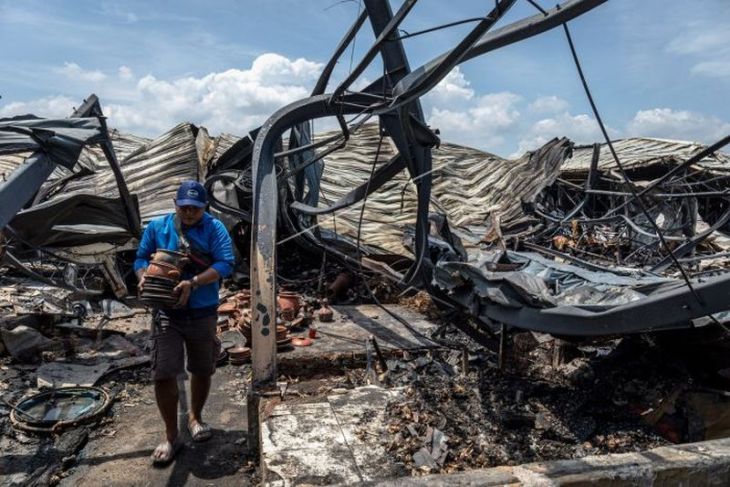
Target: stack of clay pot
{"x": 236, "y": 312}
{"x": 239, "y": 355}
{"x": 162, "y": 275}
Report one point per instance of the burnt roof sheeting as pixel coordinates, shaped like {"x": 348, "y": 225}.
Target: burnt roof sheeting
{"x": 75, "y": 219}
{"x": 61, "y": 140}
{"x": 469, "y": 186}
{"x": 11, "y": 162}
{"x": 586, "y": 303}
{"x": 473, "y": 188}
{"x": 153, "y": 169}
{"x": 643, "y": 152}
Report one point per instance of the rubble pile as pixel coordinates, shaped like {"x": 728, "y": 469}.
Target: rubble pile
{"x": 590, "y": 213}
{"x": 619, "y": 396}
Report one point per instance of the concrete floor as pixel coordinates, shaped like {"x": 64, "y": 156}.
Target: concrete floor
{"x": 123, "y": 459}
{"x": 332, "y": 440}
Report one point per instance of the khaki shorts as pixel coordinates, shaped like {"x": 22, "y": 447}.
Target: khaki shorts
{"x": 197, "y": 336}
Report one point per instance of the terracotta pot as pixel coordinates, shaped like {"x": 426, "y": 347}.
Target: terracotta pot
{"x": 160, "y": 269}
{"x": 325, "y": 313}
{"x": 281, "y": 332}
{"x": 239, "y": 353}
{"x": 227, "y": 308}
{"x": 301, "y": 342}
{"x": 312, "y": 333}
{"x": 288, "y": 301}
{"x": 338, "y": 288}
{"x": 177, "y": 259}
{"x": 244, "y": 297}
{"x": 287, "y": 314}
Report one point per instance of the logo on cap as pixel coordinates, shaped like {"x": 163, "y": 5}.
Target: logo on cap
{"x": 193, "y": 193}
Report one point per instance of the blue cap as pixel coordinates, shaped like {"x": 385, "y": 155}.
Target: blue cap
{"x": 191, "y": 193}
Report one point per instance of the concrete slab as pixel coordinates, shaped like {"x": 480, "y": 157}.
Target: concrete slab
{"x": 344, "y": 338}
{"x": 333, "y": 440}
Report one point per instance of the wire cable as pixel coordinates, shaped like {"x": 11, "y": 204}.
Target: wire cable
{"x": 622, "y": 170}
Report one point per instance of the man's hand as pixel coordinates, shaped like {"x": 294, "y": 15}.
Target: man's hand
{"x": 183, "y": 291}
{"x": 140, "y": 281}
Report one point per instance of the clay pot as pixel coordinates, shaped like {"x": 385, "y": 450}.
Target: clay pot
{"x": 312, "y": 333}
{"x": 161, "y": 269}
{"x": 301, "y": 342}
{"x": 338, "y": 288}
{"x": 177, "y": 259}
{"x": 227, "y": 308}
{"x": 288, "y": 301}
{"x": 281, "y": 332}
{"x": 325, "y": 313}
{"x": 244, "y": 297}
{"x": 239, "y": 353}
{"x": 287, "y": 314}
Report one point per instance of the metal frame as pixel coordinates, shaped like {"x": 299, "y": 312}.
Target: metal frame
{"x": 394, "y": 99}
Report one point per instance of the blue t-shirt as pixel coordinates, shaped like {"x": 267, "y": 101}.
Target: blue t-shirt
{"x": 209, "y": 236}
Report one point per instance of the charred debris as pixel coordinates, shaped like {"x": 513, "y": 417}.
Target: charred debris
{"x": 558, "y": 268}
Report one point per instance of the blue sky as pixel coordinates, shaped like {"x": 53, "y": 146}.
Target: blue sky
{"x": 657, "y": 67}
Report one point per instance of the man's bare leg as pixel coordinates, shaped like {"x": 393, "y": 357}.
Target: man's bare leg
{"x": 166, "y": 394}
{"x": 199, "y": 389}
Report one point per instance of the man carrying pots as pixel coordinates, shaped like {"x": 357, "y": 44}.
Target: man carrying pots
{"x": 191, "y": 323}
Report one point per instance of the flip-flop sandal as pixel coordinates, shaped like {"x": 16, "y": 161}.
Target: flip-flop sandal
{"x": 200, "y": 431}
{"x": 170, "y": 450}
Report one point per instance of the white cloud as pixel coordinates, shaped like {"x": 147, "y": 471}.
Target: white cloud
{"x": 230, "y": 101}
{"x": 125, "y": 73}
{"x": 453, "y": 86}
{"x": 49, "y": 107}
{"x": 713, "y": 69}
{"x": 581, "y": 128}
{"x": 708, "y": 44}
{"x": 236, "y": 100}
{"x": 549, "y": 104}
{"x": 483, "y": 124}
{"x": 700, "y": 38}
{"x": 677, "y": 124}
{"x": 75, "y": 72}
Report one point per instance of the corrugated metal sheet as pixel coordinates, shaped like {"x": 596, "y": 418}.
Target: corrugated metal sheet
{"x": 468, "y": 186}
{"x": 153, "y": 169}
{"x": 10, "y": 162}
{"x": 643, "y": 151}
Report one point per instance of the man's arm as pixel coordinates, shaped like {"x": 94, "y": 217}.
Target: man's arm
{"x": 146, "y": 247}
{"x": 222, "y": 250}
